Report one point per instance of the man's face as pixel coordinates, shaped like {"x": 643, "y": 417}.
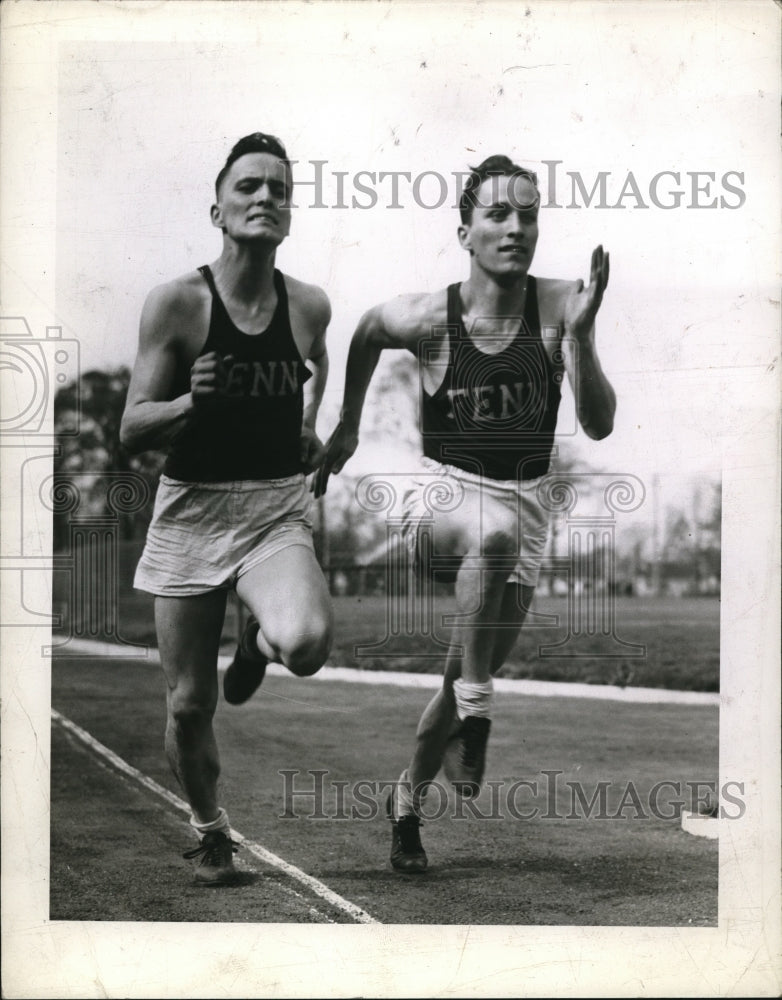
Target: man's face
{"x": 503, "y": 232}
{"x": 254, "y": 200}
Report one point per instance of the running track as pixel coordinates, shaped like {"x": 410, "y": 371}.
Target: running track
{"x": 107, "y": 761}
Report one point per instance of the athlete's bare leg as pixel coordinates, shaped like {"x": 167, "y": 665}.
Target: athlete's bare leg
{"x": 188, "y": 631}
{"x": 439, "y": 716}
{"x": 480, "y": 592}
{"x": 288, "y": 595}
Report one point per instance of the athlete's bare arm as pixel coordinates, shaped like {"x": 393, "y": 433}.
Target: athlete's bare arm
{"x": 402, "y": 323}
{"x": 310, "y": 313}
{"x": 168, "y": 335}
{"x": 574, "y": 308}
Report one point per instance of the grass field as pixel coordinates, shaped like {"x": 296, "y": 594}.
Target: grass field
{"x": 678, "y": 640}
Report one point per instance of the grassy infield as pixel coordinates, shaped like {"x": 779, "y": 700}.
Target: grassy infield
{"x": 679, "y": 640}
{"x": 680, "y": 637}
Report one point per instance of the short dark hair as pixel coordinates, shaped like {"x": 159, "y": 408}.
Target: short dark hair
{"x": 492, "y": 166}
{"x": 257, "y": 142}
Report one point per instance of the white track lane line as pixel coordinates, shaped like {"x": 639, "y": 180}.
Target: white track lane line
{"x": 287, "y": 890}
{"x": 533, "y": 689}
{"x": 260, "y": 852}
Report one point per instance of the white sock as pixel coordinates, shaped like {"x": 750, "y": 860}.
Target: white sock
{"x": 220, "y": 824}
{"x": 472, "y": 698}
{"x": 404, "y": 804}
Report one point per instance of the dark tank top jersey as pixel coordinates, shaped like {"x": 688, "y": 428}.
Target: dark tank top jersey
{"x": 494, "y": 414}
{"x": 254, "y": 431}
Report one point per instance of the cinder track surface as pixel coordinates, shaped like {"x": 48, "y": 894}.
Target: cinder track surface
{"x": 116, "y": 842}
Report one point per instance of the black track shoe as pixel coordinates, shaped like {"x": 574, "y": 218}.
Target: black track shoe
{"x": 215, "y": 860}
{"x": 246, "y": 672}
{"x": 407, "y": 852}
{"x": 464, "y": 760}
